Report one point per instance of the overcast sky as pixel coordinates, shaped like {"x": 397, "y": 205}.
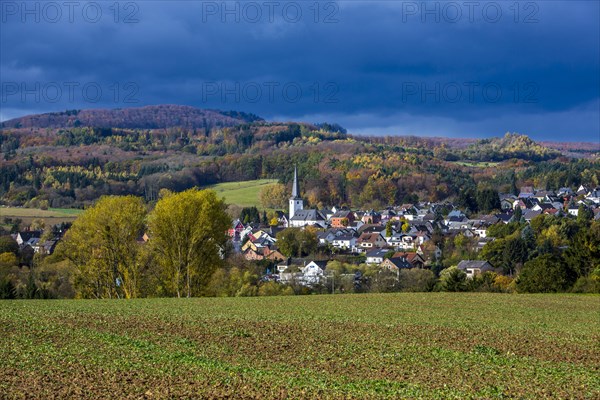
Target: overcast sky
{"x": 461, "y": 69}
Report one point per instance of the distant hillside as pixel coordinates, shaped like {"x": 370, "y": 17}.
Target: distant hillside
{"x": 149, "y": 117}
{"x": 511, "y": 145}
{"x": 576, "y": 149}
{"x": 71, "y": 159}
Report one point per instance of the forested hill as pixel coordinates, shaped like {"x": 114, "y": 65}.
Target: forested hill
{"x": 149, "y": 117}
{"x": 512, "y": 145}
{"x": 72, "y": 166}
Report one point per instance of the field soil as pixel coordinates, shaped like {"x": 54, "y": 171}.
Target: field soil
{"x": 431, "y": 345}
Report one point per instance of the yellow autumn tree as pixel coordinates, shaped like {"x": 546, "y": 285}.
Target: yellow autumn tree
{"x": 188, "y": 235}
{"x": 102, "y": 245}
{"x": 274, "y": 196}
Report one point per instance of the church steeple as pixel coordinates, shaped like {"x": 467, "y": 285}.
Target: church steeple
{"x": 295, "y": 187}
{"x": 296, "y": 202}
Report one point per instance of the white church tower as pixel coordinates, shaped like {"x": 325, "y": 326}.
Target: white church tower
{"x": 295, "y": 201}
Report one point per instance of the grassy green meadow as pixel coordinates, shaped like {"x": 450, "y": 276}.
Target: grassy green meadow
{"x": 243, "y": 194}
{"x": 430, "y": 345}
{"x": 20, "y": 212}
{"x": 51, "y": 216}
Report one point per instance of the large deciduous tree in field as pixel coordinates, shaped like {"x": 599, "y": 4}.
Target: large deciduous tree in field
{"x": 102, "y": 245}
{"x": 188, "y": 233}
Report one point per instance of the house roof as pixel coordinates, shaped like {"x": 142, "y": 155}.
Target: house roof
{"x": 565, "y": 190}
{"x": 474, "y": 264}
{"x": 274, "y": 254}
{"x": 341, "y": 231}
{"x": 410, "y": 256}
{"x": 344, "y": 238}
{"x": 456, "y": 213}
{"x": 237, "y": 224}
{"x": 49, "y": 245}
{"x": 371, "y": 228}
{"x": 398, "y": 262}
{"x": 26, "y": 235}
{"x": 321, "y": 264}
{"x": 530, "y": 214}
{"x": 397, "y": 237}
{"x": 429, "y": 217}
{"x": 376, "y": 253}
{"x": 324, "y": 234}
{"x": 421, "y": 226}
{"x": 370, "y": 237}
{"x": 303, "y": 262}
{"x": 259, "y": 251}
{"x": 544, "y": 193}
{"x": 371, "y": 213}
{"x": 33, "y": 241}
{"x": 343, "y": 214}
{"x": 504, "y": 217}
{"x": 545, "y": 206}
{"x": 307, "y": 215}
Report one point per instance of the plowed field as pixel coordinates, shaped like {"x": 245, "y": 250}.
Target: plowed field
{"x": 431, "y": 345}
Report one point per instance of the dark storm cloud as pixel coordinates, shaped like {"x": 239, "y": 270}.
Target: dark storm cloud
{"x": 445, "y": 68}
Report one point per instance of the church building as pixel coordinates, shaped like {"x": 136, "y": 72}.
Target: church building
{"x": 300, "y": 217}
